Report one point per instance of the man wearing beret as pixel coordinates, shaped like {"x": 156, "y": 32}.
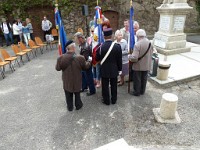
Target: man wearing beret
{"x": 87, "y": 76}
{"x": 111, "y": 65}
{"x": 71, "y": 66}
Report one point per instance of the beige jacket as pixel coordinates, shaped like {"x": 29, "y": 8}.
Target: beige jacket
{"x": 140, "y": 48}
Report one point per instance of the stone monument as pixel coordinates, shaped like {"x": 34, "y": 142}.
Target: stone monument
{"x": 170, "y": 38}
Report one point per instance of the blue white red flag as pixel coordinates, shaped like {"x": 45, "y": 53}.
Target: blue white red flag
{"x": 62, "y": 35}
{"x": 98, "y": 24}
{"x": 131, "y": 29}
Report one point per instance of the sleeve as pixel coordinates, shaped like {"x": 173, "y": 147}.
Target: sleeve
{"x": 50, "y": 24}
{"x": 134, "y": 56}
{"x": 58, "y": 64}
{"x": 84, "y": 64}
{"x": 119, "y": 58}
{"x": 15, "y": 27}
{"x": 90, "y": 49}
{"x": 42, "y": 26}
{"x": 10, "y": 26}
{"x": 29, "y": 26}
{"x": 98, "y": 55}
{"x": 125, "y": 50}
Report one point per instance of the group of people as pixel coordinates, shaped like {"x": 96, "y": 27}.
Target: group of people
{"x": 17, "y": 31}
{"x": 102, "y": 63}
{"x": 21, "y": 31}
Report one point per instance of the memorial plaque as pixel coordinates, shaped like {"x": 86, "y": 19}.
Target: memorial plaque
{"x": 179, "y": 23}
{"x": 160, "y": 40}
{"x": 164, "y": 23}
{"x": 160, "y": 43}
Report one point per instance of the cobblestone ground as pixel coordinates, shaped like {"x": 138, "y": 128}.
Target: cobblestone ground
{"x": 33, "y": 113}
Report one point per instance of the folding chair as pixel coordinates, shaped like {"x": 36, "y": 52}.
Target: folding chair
{"x": 25, "y": 49}
{"x": 9, "y": 59}
{"x": 54, "y": 32}
{"x": 32, "y": 45}
{"x": 3, "y": 64}
{"x": 39, "y": 42}
{"x": 19, "y": 53}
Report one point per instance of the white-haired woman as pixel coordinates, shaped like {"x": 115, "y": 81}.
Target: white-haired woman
{"x": 124, "y": 47}
{"x": 141, "y": 57}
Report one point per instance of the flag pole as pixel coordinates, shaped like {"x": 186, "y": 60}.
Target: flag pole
{"x": 130, "y": 51}
{"x": 56, "y": 5}
{"x": 57, "y": 27}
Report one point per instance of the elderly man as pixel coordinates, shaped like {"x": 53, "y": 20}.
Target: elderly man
{"x": 110, "y": 55}
{"x": 136, "y": 28}
{"x": 71, "y": 66}
{"x": 141, "y": 57}
{"x": 87, "y": 76}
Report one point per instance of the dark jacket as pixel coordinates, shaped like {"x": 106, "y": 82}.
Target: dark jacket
{"x": 85, "y": 50}
{"x": 113, "y": 63}
{"x": 71, "y": 66}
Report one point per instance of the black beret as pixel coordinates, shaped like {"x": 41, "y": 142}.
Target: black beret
{"x": 68, "y": 43}
{"x": 107, "y": 32}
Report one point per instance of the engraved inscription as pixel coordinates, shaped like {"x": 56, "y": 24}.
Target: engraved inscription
{"x": 164, "y": 23}
{"x": 179, "y": 23}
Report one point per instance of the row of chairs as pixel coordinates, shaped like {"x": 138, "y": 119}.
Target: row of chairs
{"x": 21, "y": 50}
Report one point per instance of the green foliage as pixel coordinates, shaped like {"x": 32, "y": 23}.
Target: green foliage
{"x": 10, "y": 7}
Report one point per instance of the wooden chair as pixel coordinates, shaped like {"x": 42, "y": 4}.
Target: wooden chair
{"x": 25, "y": 49}
{"x": 33, "y": 46}
{"x": 9, "y": 59}
{"x": 54, "y": 32}
{"x": 3, "y": 64}
{"x": 19, "y": 53}
{"x": 40, "y": 43}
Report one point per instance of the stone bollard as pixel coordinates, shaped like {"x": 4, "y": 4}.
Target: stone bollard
{"x": 167, "y": 112}
{"x": 163, "y": 70}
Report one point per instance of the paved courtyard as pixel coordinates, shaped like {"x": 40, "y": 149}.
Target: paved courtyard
{"x": 33, "y": 113}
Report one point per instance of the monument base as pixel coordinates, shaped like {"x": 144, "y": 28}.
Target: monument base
{"x": 158, "y": 118}
{"x": 172, "y": 51}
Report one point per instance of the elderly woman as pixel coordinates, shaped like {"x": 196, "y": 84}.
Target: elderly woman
{"x": 141, "y": 57}
{"x": 124, "y": 47}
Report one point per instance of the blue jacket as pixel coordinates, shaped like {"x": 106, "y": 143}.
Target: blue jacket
{"x": 25, "y": 29}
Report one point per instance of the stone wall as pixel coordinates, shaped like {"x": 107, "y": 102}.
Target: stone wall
{"x": 144, "y": 12}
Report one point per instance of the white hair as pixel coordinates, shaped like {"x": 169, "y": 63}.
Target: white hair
{"x": 118, "y": 32}
{"x": 70, "y": 46}
{"x": 136, "y": 24}
{"x": 141, "y": 33}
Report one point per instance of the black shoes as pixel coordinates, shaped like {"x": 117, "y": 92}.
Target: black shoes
{"x": 135, "y": 93}
{"x": 89, "y": 94}
{"x": 77, "y": 108}
{"x": 107, "y": 103}
{"x": 83, "y": 90}
{"x": 70, "y": 109}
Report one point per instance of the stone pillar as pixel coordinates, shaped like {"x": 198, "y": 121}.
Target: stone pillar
{"x": 167, "y": 112}
{"x": 170, "y": 38}
{"x": 163, "y": 70}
